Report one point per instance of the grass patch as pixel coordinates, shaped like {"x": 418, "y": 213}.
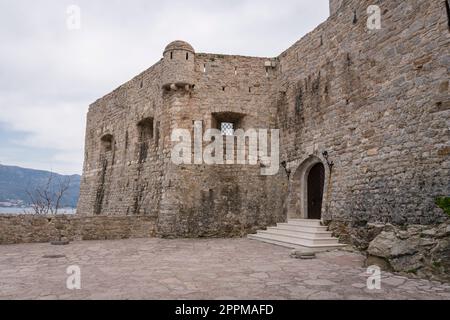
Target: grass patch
{"x": 444, "y": 204}
{"x": 437, "y": 264}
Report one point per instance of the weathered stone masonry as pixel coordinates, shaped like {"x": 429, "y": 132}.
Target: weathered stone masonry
{"x": 28, "y": 228}
{"x": 187, "y": 200}
{"x": 377, "y": 102}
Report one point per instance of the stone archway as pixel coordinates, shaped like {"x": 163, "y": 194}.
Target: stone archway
{"x": 308, "y": 189}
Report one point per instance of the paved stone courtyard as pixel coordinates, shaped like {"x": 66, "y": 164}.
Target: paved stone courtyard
{"x": 194, "y": 269}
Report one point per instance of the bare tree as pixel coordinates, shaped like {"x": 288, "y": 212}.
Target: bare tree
{"x": 46, "y": 199}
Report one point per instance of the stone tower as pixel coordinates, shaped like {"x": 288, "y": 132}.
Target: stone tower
{"x": 178, "y": 66}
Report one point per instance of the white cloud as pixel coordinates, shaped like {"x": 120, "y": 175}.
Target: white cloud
{"x": 50, "y": 75}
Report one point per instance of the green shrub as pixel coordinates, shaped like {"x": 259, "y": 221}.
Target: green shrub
{"x": 444, "y": 204}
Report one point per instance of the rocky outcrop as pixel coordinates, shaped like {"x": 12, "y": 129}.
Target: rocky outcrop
{"x": 416, "y": 250}
{"x": 423, "y": 251}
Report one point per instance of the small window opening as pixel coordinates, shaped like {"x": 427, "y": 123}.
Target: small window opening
{"x": 158, "y": 124}
{"x": 227, "y": 122}
{"x": 227, "y": 128}
{"x": 235, "y": 71}
{"x": 145, "y": 128}
{"x": 250, "y": 89}
{"x": 187, "y": 55}
{"x": 223, "y": 88}
{"x": 141, "y": 85}
{"x": 447, "y": 7}
{"x": 355, "y": 17}
{"x": 204, "y": 68}
{"x": 171, "y": 55}
{"x": 107, "y": 142}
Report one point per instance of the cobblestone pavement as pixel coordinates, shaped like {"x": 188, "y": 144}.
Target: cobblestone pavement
{"x": 194, "y": 269}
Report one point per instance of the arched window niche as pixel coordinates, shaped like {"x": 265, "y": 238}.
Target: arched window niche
{"x": 145, "y": 131}
{"x": 107, "y": 143}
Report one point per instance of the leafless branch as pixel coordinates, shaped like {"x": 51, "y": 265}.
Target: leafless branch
{"x": 46, "y": 199}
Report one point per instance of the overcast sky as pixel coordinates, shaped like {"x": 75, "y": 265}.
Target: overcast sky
{"x": 49, "y": 74}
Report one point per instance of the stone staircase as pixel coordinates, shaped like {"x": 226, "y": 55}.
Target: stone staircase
{"x": 299, "y": 234}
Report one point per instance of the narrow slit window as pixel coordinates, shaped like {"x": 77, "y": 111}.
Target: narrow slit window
{"x": 187, "y": 55}
{"x": 158, "y": 124}
{"x": 171, "y": 55}
{"x": 447, "y": 7}
{"x": 204, "y": 68}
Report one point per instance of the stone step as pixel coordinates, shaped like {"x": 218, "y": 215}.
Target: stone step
{"x": 309, "y": 229}
{"x": 307, "y": 234}
{"x": 305, "y": 222}
{"x": 292, "y": 242}
{"x": 304, "y": 240}
{"x": 299, "y": 233}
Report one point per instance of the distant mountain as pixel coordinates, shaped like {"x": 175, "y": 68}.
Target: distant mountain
{"x": 16, "y": 181}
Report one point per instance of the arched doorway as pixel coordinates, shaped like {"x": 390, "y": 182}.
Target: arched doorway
{"x": 316, "y": 182}
{"x": 308, "y": 189}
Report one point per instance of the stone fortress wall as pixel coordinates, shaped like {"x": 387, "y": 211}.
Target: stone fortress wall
{"x": 16, "y": 229}
{"x": 186, "y": 200}
{"x": 378, "y": 103}
{"x": 375, "y": 102}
